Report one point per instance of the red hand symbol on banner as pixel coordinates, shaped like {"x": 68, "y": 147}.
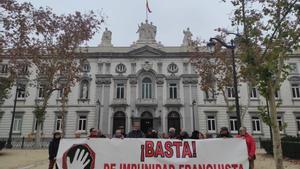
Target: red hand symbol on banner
{"x": 80, "y": 160}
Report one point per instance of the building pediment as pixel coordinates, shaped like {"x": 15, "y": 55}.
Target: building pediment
{"x": 146, "y": 51}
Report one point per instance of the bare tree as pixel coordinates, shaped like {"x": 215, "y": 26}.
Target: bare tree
{"x": 56, "y": 59}
{"x": 270, "y": 33}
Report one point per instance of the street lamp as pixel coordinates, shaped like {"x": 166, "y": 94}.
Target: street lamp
{"x": 99, "y": 108}
{"x": 232, "y": 47}
{"x": 193, "y": 108}
{"x": 8, "y": 144}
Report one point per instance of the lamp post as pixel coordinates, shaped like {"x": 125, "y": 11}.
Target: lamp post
{"x": 8, "y": 144}
{"x": 232, "y": 47}
{"x": 193, "y": 108}
{"x": 99, "y": 108}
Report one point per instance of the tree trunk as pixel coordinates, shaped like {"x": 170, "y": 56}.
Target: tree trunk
{"x": 277, "y": 150}
{"x": 63, "y": 107}
{"x": 37, "y": 143}
{"x": 40, "y": 120}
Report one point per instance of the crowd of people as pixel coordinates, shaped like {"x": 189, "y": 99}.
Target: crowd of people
{"x": 153, "y": 134}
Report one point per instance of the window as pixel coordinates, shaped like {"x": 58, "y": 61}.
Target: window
{"x": 21, "y": 91}
{"x": 84, "y": 92}
{"x": 82, "y": 123}
{"x": 211, "y": 124}
{"x": 277, "y": 94}
{"x": 3, "y": 68}
{"x": 146, "y": 88}
{"x": 172, "y": 68}
{"x": 298, "y": 124}
{"x": 121, "y": 68}
{"x": 58, "y": 123}
{"x": 256, "y": 128}
{"x": 60, "y": 93}
{"x": 233, "y": 124}
{"x": 253, "y": 94}
{"x": 173, "y": 91}
{"x": 120, "y": 91}
{"x": 35, "y": 125}
{"x": 41, "y": 93}
{"x": 296, "y": 90}
{"x": 293, "y": 67}
{"x": 23, "y": 70}
{"x": 86, "y": 67}
{"x": 280, "y": 124}
{"x": 17, "y": 124}
{"x": 230, "y": 92}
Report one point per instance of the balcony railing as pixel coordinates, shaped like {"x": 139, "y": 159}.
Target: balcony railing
{"x": 146, "y": 102}
{"x": 173, "y": 102}
{"x": 119, "y": 102}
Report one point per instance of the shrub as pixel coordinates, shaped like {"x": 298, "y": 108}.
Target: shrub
{"x": 290, "y": 146}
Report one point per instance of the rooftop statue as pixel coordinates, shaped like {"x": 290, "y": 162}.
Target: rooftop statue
{"x": 147, "y": 32}
{"x": 187, "y": 39}
{"x": 106, "y": 38}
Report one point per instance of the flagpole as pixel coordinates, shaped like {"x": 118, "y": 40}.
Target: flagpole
{"x": 146, "y": 10}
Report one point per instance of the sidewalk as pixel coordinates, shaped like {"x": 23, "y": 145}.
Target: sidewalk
{"x": 37, "y": 159}
{"x": 18, "y": 158}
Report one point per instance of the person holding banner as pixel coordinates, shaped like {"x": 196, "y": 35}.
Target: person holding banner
{"x": 118, "y": 134}
{"x": 53, "y": 149}
{"x": 251, "y": 147}
{"x": 93, "y": 133}
{"x": 136, "y": 132}
{"x": 224, "y": 133}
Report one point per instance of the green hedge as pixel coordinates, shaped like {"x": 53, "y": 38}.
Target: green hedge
{"x": 290, "y": 146}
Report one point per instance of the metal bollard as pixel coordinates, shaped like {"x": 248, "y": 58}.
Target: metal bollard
{"x": 22, "y": 145}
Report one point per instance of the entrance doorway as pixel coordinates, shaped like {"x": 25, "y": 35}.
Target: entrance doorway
{"x": 174, "y": 121}
{"x": 146, "y": 121}
{"x": 119, "y": 121}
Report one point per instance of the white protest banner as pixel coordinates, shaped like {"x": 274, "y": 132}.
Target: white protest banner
{"x": 152, "y": 154}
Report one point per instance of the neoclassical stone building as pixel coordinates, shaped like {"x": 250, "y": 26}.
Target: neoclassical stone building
{"x": 149, "y": 84}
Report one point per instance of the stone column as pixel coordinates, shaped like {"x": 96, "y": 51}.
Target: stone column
{"x": 188, "y": 121}
{"x": 194, "y": 92}
{"x": 160, "y": 99}
{"x": 104, "y": 95}
{"x": 132, "y": 96}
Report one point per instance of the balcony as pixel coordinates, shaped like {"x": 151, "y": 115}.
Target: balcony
{"x": 119, "y": 102}
{"x": 146, "y": 102}
{"x": 173, "y": 103}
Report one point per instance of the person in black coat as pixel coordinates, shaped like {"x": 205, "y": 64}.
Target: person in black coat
{"x": 224, "y": 133}
{"x": 53, "y": 149}
{"x": 136, "y": 132}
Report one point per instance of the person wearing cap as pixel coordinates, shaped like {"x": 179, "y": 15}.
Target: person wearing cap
{"x": 224, "y": 133}
{"x": 53, "y": 149}
{"x": 251, "y": 147}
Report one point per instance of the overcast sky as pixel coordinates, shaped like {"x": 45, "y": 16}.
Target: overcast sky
{"x": 170, "y": 17}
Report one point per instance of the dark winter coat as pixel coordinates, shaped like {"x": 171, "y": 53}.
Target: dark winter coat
{"x": 53, "y": 148}
{"x": 136, "y": 134}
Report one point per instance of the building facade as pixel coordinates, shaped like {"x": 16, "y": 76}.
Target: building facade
{"x": 152, "y": 85}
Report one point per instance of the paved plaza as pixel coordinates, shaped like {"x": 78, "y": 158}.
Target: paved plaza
{"x": 37, "y": 159}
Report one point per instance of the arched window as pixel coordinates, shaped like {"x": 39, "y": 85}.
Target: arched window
{"x": 146, "y": 121}
{"x": 174, "y": 120}
{"x": 119, "y": 121}
{"x": 84, "y": 90}
{"x": 146, "y": 88}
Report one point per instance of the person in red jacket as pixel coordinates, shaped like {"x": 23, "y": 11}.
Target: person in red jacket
{"x": 251, "y": 147}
